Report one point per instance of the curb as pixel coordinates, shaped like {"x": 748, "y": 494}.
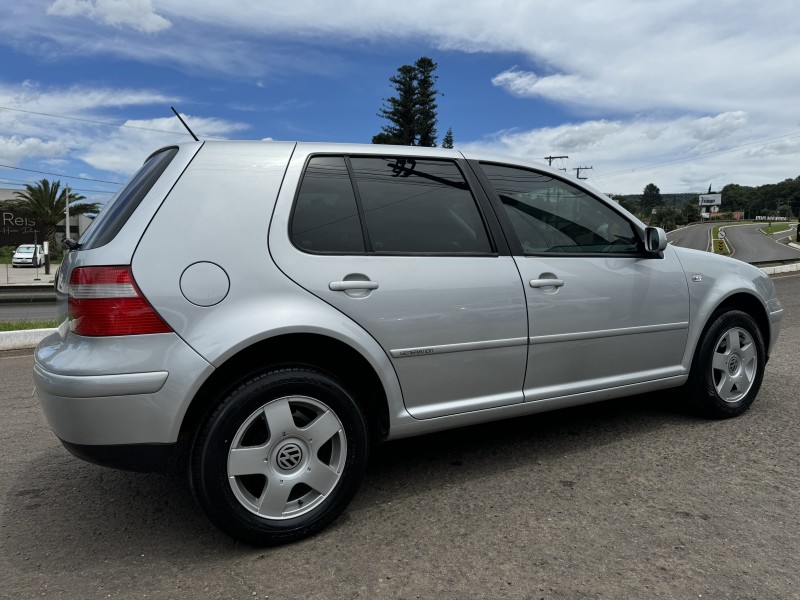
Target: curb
{"x": 28, "y": 338}
{"x": 781, "y": 269}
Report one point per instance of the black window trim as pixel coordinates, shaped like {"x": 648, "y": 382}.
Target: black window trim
{"x": 473, "y": 187}
{"x": 511, "y": 234}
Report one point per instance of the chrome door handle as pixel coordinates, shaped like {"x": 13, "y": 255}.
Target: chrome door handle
{"x": 343, "y": 286}
{"x": 540, "y": 283}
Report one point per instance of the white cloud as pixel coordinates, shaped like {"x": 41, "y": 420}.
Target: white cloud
{"x": 38, "y": 136}
{"x": 90, "y": 136}
{"x": 644, "y": 82}
{"x": 138, "y": 14}
{"x": 683, "y": 154}
{"x": 125, "y": 148}
{"x": 14, "y": 148}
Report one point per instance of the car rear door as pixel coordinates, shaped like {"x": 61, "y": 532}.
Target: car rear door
{"x": 403, "y": 246}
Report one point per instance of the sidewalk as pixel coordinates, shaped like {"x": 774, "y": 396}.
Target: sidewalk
{"x": 9, "y": 276}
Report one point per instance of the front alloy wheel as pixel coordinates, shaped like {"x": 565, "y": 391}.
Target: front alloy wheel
{"x": 735, "y": 364}
{"x": 728, "y": 365}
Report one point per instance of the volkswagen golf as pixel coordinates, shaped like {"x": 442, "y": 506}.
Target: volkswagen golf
{"x": 261, "y": 314}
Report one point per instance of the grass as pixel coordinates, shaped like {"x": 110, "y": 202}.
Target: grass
{"x": 22, "y": 325}
{"x": 715, "y": 235}
{"x": 776, "y": 228}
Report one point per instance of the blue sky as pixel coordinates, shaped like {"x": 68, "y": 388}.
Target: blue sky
{"x": 682, "y": 94}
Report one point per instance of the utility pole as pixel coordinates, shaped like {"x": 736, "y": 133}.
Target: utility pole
{"x": 579, "y": 169}
{"x": 550, "y": 159}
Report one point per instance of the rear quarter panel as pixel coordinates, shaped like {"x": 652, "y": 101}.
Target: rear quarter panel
{"x": 219, "y": 212}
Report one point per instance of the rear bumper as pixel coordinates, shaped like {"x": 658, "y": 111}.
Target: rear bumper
{"x": 114, "y": 392}
{"x": 147, "y": 458}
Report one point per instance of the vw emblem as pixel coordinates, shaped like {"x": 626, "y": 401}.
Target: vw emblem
{"x": 289, "y": 457}
{"x": 733, "y": 364}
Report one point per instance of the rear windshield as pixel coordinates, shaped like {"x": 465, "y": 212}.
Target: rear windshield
{"x": 119, "y": 209}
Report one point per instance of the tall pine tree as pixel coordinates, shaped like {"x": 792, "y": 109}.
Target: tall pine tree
{"x": 411, "y": 112}
{"x": 425, "y": 102}
{"x": 447, "y": 140}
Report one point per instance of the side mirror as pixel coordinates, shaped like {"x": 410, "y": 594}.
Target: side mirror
{"x": 655, "y": 240}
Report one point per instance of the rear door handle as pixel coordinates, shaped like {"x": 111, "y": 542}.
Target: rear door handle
{"x": 540, "y": 283}
{"x": 343, "y": 286}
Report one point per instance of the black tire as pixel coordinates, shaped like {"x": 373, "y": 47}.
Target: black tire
{"x": 305, "y": 483}
{"x": 728, "y": 387}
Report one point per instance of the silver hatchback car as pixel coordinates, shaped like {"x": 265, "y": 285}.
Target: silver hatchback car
{"x": 264, "y": 312}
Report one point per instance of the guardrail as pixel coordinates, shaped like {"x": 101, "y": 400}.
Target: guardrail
{"x": 27, "y": 293}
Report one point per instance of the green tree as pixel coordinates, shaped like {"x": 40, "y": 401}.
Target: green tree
{"x": 412, "y": 111}
{"x": 399, "y": 110}
{"x": 691, "y": 212}
{"x": 651, "y": 196}
{"x": 666, "y": 217}
{"x": 46, "y": 202}
{"x": 447, "y": 140}
{"x": 425, "y": 102}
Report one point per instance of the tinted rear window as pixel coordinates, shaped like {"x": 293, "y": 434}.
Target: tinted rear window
{"x": 419, "y": 206}
{"x": 108, "y": 224}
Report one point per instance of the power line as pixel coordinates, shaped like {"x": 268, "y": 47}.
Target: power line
{"x": 93, "y": 121}
{"x": 61, "y": 175}
{"x": 21, "y": 184}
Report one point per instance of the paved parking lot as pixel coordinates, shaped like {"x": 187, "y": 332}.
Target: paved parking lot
{"x": 625, "y": 499}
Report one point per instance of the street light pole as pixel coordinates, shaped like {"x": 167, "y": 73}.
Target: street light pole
{"x": 66, "y": 229}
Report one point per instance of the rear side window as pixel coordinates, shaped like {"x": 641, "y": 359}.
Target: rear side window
{"x": 325, "y": 216}
{"x": 418, "y": 206}
{"x": 108, "y": 224}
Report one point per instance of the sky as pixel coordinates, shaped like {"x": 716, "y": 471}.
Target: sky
{"x": 678, "y": 93}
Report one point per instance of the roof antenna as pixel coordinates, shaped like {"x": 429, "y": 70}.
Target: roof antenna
{"x": 196, "y": 139}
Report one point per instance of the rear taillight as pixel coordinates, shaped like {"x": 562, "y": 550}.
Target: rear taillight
{"x": 105, "y": 301}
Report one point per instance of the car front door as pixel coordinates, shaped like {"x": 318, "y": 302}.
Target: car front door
{"x": 400, "y": 245}
{"x": 603, "y": 314}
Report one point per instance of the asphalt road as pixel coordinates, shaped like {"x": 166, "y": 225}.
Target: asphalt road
{"x": 694, "y": 236}
{"x": 746, "y": 242}
{"x": 635, "y": 498}
{"x": 28, "y": 311}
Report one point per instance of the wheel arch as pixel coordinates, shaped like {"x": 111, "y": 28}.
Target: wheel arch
{"x": 314, "y": 350}
{"x": 749, "y": 304}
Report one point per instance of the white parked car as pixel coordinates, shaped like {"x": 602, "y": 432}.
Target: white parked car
{"x": 28, "y": 255}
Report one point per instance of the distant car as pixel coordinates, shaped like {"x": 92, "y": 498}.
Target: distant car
{"x": 266, "y": 312}
{"x": 24, "y": 256}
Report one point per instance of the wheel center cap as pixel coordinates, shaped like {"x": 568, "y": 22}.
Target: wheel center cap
{"x": 289, "y": 456}
{"x": 733, "y": 364}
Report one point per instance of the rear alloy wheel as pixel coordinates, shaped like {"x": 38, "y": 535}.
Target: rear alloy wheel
{"x": 728, "y": 366}
{"x": 280, "y": 457}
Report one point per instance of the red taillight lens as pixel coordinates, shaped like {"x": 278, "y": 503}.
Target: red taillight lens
{"x": 105, "y": 301}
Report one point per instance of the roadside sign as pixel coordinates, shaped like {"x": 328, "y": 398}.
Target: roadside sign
{"x": 719, "y": 246}
{"x": 721, "y": 234}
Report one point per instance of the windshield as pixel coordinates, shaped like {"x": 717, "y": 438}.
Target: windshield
{"x": 25, "y": 250}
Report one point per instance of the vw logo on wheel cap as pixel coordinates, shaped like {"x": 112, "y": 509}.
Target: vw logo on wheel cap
{"x": 289, "y": 457}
